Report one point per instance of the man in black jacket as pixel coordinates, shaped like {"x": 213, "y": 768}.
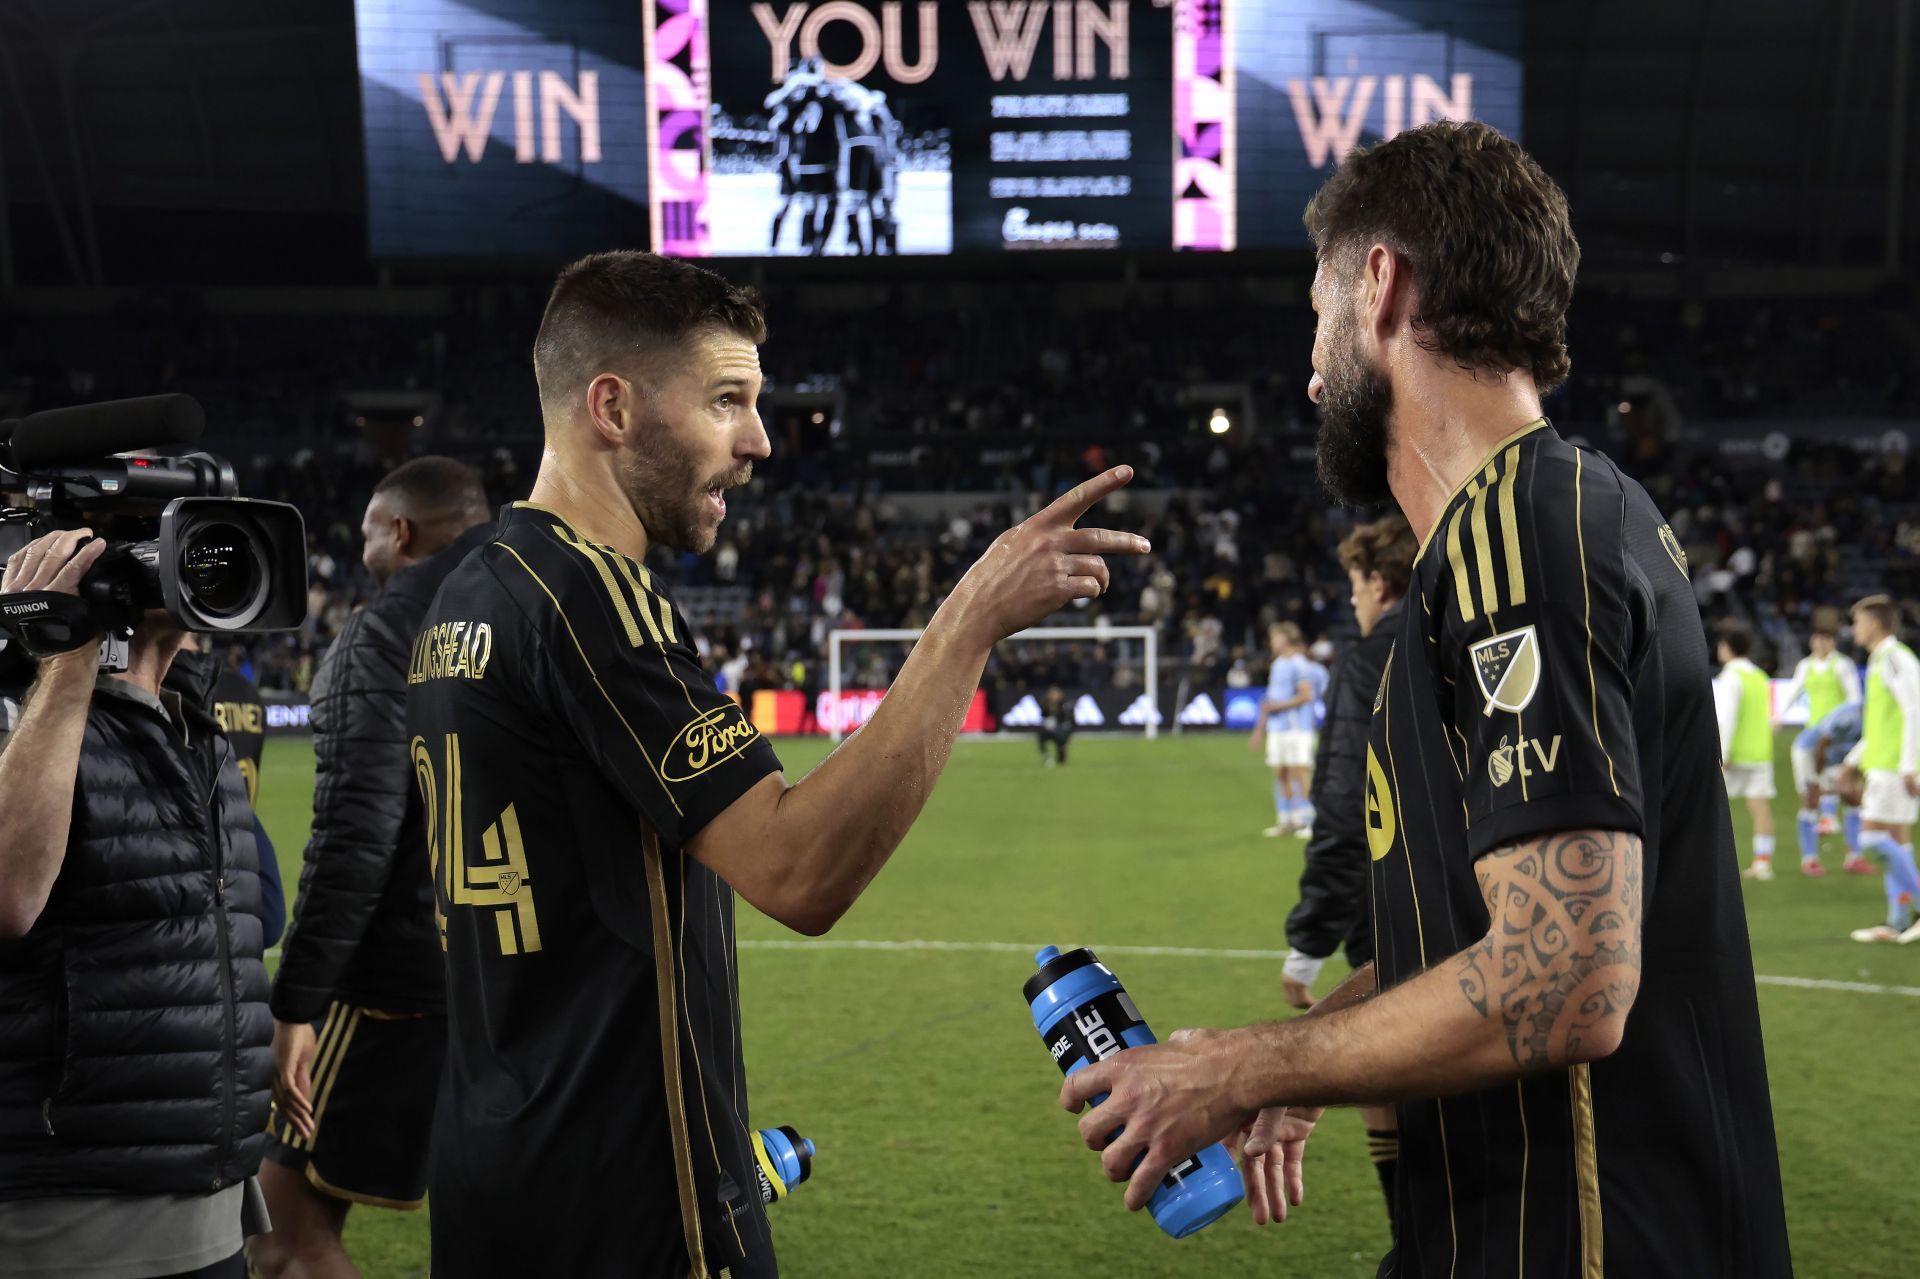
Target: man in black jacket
{"x": 359, "y": 1001}
{"x": 1333, "y": 904}
{"x": 134, "y": 1031}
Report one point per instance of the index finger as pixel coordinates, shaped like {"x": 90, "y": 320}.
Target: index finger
{"x": 1085, "y": 1084}
{"x": 1081, "y": 498}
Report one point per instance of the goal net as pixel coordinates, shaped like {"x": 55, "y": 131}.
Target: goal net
{"x": 1108, "y": 677}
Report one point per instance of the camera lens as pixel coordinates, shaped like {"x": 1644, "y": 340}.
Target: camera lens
{"x": 221, "y": 569}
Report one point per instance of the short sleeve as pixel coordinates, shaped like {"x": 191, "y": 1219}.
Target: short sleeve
{"x": 619, "y": 664}
{"x": 1538, "y": 641}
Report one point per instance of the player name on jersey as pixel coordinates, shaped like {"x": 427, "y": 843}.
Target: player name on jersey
{"x": 451, "y": 650}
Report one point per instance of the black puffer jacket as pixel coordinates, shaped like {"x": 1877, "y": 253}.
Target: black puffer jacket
{"x": 1333, "y": 887}
{"x": 134, "y": 1034}
{"x": 363, "y": 929}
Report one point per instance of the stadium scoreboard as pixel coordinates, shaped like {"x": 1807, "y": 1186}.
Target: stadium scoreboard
{"x": 546, "y": 128}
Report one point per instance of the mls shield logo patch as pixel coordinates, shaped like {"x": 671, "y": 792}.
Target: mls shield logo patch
{"x": 1508, "y": 669}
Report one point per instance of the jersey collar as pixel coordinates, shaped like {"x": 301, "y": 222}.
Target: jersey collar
{"x": 1485, "y": 462}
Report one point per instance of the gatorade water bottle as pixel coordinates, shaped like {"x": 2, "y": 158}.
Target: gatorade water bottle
{"x": 1085, "y": 1015}
{"x": 784, "y": 1159}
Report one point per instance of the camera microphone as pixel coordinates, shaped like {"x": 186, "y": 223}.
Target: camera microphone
{"x": 87, "y": 432}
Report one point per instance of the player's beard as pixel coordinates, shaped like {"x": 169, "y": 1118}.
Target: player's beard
{"x": 669, "y": 494}
{"x": 1356, "y": 408}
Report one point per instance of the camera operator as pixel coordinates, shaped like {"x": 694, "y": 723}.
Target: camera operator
{"x": 134, "y": 1032}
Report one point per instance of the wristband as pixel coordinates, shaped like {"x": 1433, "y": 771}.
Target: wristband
{"x": 1302, "y": 968}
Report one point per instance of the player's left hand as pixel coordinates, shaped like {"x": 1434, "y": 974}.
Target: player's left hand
{"x": 1271, "y": 1151}
{"x": 1167, "y": 1101}
{"x": 1912, "y": 784}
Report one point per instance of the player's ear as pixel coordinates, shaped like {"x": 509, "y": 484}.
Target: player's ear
{"x": 612, "y": 402}
{"x": 1385, "y": 288}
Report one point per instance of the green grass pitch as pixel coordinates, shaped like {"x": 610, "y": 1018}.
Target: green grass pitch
{"x": 942, "y": 1150}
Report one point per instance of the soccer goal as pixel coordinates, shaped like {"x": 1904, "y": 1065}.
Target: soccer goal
{"x": 847, "y": 711}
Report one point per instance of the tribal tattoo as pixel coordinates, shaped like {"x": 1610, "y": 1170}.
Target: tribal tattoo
{"x": 1563, "y": 953}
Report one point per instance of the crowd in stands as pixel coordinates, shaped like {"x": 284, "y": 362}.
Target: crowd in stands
{"x": 1009, "y": 399}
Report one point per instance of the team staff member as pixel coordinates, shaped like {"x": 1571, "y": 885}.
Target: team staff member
{"x": 594, "y": 803}
{"x": 1549, "y": 837}
{"x": 1333, "y": 904}
{"x": 359, "y": 1003}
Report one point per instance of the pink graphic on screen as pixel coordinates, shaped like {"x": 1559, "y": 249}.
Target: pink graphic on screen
{"x": 1203, "y": 195}
{"x": 677, "y": 148}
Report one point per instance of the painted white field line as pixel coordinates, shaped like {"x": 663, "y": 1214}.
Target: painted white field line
{"x": 1203, "y": 952}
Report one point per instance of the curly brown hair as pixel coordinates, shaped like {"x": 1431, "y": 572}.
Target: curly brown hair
{"x": 1485, "y": 233}
{"x": 1387, "y": 547}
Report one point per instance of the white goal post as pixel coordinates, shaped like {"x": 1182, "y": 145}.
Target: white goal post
{"x": 1084, "y": 634}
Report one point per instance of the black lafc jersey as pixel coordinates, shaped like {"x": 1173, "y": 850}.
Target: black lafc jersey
{"x": 1551, "y": 674}
{"x": 567, "y": 746}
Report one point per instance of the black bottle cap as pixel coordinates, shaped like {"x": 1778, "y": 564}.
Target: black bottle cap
{"x": 1054, "y": 969}
{"x": 799, "y": 1149}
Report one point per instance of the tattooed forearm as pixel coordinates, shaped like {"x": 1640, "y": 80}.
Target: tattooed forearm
{"x": 1560, "y": 964}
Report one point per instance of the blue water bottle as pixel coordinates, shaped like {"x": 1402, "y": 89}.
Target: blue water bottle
{"x": 1085, "y": 1015}
{"x": 783, "y": 1159}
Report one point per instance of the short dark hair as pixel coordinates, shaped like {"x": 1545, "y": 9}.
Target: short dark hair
{"x": 1484, "y": 231}
{"x": 433, "y": 489}
{"x": 1883, "y": 610}
{"x": 1826, "y": 621}
{"x": 1387, "y": 547}
{"x": 1738, "y": 637}
{"x": 624, "y": 309}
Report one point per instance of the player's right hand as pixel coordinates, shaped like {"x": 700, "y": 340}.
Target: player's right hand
{"x": 55, "y": 562}
{"x": 1040, "y": 566}
{"x": 293, "y": 1048}
{"x": 58, "y": 563}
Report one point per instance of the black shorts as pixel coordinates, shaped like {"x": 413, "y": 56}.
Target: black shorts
{"x": 375, "y": 1078}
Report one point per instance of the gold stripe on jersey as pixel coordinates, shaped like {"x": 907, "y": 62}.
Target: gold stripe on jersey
{"x": 1482, "y": 552}
{"x": 668, "y": 1007}
{"x": 1399, "y": 818}
{"x": 1457, "y": 564}
{"x": 595, "y": 676}
{"x": 693, "y": 1042}
{"x": 1586, "y": 1174}
{"x": 733, "y": 998}
{"x": 1497, "y": 449}
{"x": 593, "y": 556}
{"x": 1586, "y": 595}
{"x": 1446, "y": 1165}
{"x": 642, "y": 597}
{"x": 1526, "y": 1155}
{"x": 1510, "y": 529}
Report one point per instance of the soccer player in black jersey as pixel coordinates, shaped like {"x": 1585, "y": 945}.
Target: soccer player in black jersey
{"x": 1562, "y": 999}
{"x": 593, "y": 803}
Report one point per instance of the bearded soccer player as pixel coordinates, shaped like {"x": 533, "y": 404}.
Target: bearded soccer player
{"x": 593, "y": 803}
{"x": 1549, "y": 838}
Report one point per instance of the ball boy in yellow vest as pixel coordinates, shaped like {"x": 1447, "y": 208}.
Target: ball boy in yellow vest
{"x": 1889, "y": 755}
{"x": 1743, "y": 696}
